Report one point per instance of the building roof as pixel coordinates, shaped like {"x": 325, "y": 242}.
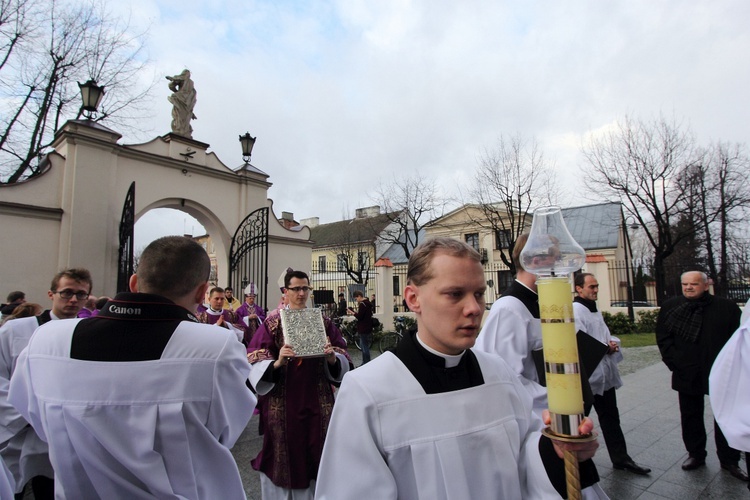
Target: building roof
{"x": 350, "y": 231}
{"x": 396, "y": 252}
{"x": 594, "y": 226}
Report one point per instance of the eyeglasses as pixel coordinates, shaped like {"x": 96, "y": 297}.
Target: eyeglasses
{"x": 297, "y": 289}
{"x": 68, "y": 294}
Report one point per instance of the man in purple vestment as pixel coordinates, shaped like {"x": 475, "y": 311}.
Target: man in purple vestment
{"x": 217, "y": 315}
{"x": 295, "y": 398}
{"x": 250, "y": 313}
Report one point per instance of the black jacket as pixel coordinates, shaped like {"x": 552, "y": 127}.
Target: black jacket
{"x": 689, "y": 362}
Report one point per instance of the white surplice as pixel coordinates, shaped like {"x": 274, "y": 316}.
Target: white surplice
{"x": 513, "y": 333}
{"x": 481, "y": 442}
{"x": 142, "y": 429}
{"x": 729, "y": 389}
{"x": 606, "y": 375}
{"x": 25, "y": 454}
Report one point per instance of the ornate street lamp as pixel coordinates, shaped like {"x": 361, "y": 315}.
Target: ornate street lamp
{"x": 91, "y": 95}
{"x": 247, "y": 143}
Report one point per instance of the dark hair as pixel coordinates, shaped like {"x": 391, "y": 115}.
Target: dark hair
{"x": 14, "y": 296}
{"x": 580, "y": 279}
{"x": 229, "y": 289}
{"x": 77, "y": 274}
{"x": 419, "y": 270}
{"x": 172, "y": 266}
{"x": 101, "y": 301}
{"x": 300, "y": 275}
{"x": 358, "y": 293}
{"x": 216, "y": 289}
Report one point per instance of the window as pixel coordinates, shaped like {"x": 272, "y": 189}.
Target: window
{"x": 472, "y": 240}
{"x": 341, "y": 262}
{"x": 502, "y": 238}
{"x": 396, "y": 286}
{"x": 322, "y": 264}
{"x": 504, "y": 280}
{"x": 363, "y": 258}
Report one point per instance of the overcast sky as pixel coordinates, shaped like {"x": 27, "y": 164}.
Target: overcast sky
{"x": 342, "y": 94}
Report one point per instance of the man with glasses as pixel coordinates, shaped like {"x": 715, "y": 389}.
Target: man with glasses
{"x": 295, "y": 398}
{"x": 141, "y": 401}
{"x": 26, "y": 454}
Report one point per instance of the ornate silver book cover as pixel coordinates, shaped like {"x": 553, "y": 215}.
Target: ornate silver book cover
{"x": 304, "y": 331}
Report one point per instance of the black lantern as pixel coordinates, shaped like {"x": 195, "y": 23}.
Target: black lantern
{"x": 247, "y": 143}
{"x": 91, "y": 95}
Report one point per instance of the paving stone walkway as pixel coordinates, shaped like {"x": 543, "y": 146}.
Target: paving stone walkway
{"x": 650, "y": 420}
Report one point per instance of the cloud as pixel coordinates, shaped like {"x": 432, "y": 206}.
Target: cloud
{"x": 344, "y": 93}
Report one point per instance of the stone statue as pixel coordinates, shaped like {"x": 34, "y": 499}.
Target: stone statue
{"x": 183, "y": 101}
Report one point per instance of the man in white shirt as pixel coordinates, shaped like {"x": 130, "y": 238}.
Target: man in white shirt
{"x": 513, "y": 328}
{"x": 141, "y": 401}
{"x": 436, "y": 419}
{"x": 605, "y": 379}
{"x": 25, "y": 454}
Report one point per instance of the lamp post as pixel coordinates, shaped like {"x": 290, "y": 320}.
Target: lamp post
{"x": 628, "y": 260}
{"x": 247, "y": 142}
{"x": 553, "y": 255}
{"x": 91, "y": 95}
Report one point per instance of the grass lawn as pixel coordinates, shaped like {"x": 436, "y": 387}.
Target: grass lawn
{"x": 638, "y": 339}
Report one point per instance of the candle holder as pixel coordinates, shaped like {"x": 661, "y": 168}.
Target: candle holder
{"x": 553, "y": 255}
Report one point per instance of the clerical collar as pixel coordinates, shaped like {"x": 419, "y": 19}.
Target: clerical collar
{"x": 212, "y": 310}
{"x": 528, "y": 297}
{"x": 590, "y": 304}
{"x": 526, "y": 286}
{"x": 451, "y": 360}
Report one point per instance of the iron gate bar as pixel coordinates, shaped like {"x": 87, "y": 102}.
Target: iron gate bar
{"x": 125, "y": 252}
{"x": 248, "y": 256}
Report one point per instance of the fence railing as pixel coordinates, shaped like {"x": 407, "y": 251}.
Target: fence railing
{"x": 644, "y": 287}
{"x": 328, "y": 282}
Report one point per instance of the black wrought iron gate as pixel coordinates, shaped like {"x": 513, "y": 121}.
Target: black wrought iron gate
{"x": 125, "y": 253}
{"x": 248, "y": 256}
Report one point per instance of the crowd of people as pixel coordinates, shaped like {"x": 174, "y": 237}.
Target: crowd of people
{"x": 143, "y": 395}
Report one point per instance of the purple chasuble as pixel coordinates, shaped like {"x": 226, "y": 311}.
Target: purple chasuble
{"x": 295, "y": 414}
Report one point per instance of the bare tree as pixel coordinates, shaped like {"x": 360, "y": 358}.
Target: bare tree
{"x": 352, "y": 253}
{"x": 719, "y": 198}
{"x": 509, "y": 181}
{"x": 640, "y": 163}
{"x": 46, "y": 48}
{"x": 409, "y": 203}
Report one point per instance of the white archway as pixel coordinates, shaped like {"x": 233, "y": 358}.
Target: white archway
{"x": 70, "y": 215}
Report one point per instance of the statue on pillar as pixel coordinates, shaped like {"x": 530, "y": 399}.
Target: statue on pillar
{"x": 183, "y": 101}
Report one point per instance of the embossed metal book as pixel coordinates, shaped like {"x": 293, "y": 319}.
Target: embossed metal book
{"x": 304, "y": 331}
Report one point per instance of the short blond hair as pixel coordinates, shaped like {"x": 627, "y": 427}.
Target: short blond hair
{"x": 420, "y": 272}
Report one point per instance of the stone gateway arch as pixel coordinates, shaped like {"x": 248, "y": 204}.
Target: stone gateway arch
{"x": 79, "y": 211}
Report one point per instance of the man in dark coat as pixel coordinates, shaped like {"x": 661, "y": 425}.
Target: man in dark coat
{"x": 690, "y": 331}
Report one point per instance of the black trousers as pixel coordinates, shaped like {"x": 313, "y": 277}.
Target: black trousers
{"x": 609, "y": 421}
{"x": 694, "y": 431}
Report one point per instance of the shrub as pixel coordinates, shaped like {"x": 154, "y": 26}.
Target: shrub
{"x": 647, "y": 321}
{"x": 618, "y": 324}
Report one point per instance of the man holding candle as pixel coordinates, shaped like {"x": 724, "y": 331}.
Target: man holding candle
{"x": 390, "y": 418}
{"x": 605, "y": 379}
{"x": 690, "y": 331}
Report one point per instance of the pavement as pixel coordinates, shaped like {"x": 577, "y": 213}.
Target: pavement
{"x": 650, "y": 419}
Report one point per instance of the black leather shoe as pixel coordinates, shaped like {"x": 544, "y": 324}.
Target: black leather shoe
{"x": 693, "y": 463}
{"x": 735, "y": 470}
{"x": 631, "y": 466}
